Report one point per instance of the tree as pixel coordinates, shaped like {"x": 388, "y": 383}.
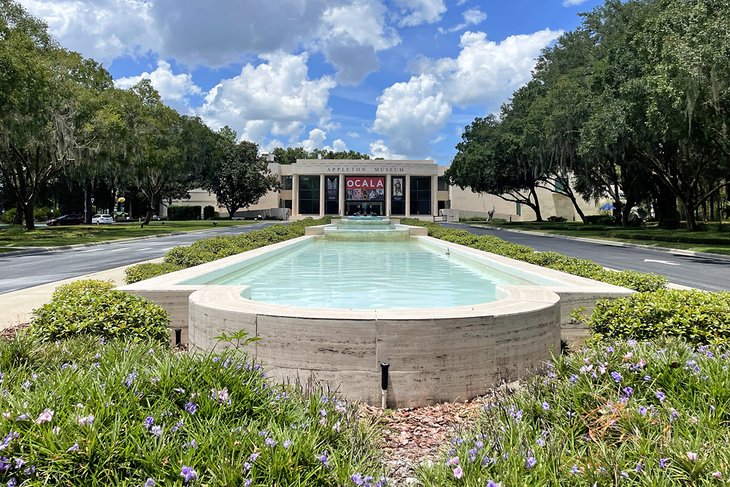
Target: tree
{"x": 44, "y": 107}
{"x": 241, "y": 177}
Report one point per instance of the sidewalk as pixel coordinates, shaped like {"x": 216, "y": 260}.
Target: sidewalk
{"x": 17, "y": 306}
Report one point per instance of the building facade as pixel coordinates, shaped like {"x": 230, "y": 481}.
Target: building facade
{"x": 398, "y": 188}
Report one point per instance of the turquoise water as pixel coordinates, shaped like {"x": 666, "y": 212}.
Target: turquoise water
{"x": 367, "y": 275}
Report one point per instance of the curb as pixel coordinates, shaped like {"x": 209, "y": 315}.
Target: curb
{"x": 664, "y": 250}
{"x": 42, "y": 250}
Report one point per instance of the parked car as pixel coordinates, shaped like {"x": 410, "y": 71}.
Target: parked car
{"x": 102, "y": 219}
{"x": 70, "y": 219}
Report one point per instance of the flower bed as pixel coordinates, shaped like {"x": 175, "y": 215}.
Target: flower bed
{"x": 83, "y": 413}
{"x": 612, "y": 414}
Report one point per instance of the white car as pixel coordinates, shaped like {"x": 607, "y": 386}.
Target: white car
{"x": 101, "y": 219}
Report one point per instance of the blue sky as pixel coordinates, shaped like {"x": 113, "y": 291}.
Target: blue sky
{"x": 390, "y": 78}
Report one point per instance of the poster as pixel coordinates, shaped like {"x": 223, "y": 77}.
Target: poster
{"x": 398, "y": 187}
{"x": 365, "y": 188}
{"x": 332, "y": 188}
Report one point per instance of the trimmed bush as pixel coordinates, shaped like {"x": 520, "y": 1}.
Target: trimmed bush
{"x": 183, "y": 212}
{"x": 140, "y": 272}
{"x": 637, "y": 281}
{"x": 697, "y": 316}
{"x": 557, "y": 219}
{"x": 94, "y": 308}
{"x": 209, "y": 213}
{"x": 214, "y": 248}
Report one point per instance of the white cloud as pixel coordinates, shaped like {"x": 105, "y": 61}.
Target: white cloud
{"x": 316, "y": 139}
{"x": 219, "y": 32}
{"x": 378, "y": 150}
{"x": 102, "y": 29}
{"x": 570, "y": 3}
{"x": 174, "y": 89}
{"x": 339, "y": 145}
{"x": 411, "y": 112}
{"x": 417, "y": 12}
{"x": 472, "y": 16}
{"x": 485, "y": 73}
{"x": 276, "y": 96}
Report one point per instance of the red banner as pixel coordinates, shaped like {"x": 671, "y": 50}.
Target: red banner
{"x": 365, "y": 183}
{"x": 363, "y": 188}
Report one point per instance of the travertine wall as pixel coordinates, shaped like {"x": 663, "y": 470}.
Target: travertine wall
{"x": 435, "y": 355}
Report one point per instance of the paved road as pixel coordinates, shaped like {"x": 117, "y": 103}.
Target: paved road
{"x": 24, "y": 271}
{"x": 708, "y": 273}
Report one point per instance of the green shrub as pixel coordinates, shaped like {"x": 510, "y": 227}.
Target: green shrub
{"x": 183, "y": 212}
{"x": 9, "y": 215}
{"x": 697, "y": 316}
{"x": 637, "y": 281}
{"x": 94, "y": 308}
{"x": 214, "y": 248}
{"x": 126, "y": 412}
{"x": 209, "y": 213}
{"x": 557, "y": 219}
{"x": 148, "y": 270}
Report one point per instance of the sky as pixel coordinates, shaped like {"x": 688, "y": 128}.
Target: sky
{"x": 397, "y": 79}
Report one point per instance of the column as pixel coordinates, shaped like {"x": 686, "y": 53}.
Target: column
{"x": 434, "y": 195}
{"x": 321, "y": 195}
{"x": 295, "y": 195}
{"x": 408, "y": 195}
{"x": 388, "y": 194}
{"x": 341, "y": 195}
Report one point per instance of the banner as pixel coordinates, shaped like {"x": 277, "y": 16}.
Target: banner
{"x": 332, "y": 188}
{"x": 399, "y": 185}
{"x": 365, "y": 188}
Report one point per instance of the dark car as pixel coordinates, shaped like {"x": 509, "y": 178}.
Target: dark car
{"x": 71, "y": 219}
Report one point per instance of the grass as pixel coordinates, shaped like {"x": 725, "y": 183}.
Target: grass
{"x": 81, "y": 412}
{"x": 623, "y": 413}
{"x": 710, "y": 240}
{"x": 13, "y": 236}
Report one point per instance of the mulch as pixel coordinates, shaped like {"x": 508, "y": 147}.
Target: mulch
{"x": 9, "y": 332}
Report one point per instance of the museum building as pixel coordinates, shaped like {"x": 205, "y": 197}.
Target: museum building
{"x": 399, "y": 188}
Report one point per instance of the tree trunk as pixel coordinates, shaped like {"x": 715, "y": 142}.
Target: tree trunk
{"x": 536, "y": 206}
{"x": 87, "y": 201}
{"x": 666, "y": 207}
{"x": 29, "y": 220}
{"x": 231, "y": 211}
{"x": 18, "y": 220}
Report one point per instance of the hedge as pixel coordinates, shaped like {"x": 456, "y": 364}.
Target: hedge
{"x": 184, "y": 212}
{"x": 214, "y": 248}
{"x": 140, "y": 272}
{"x": 637, "y": 281}
{"x": 94, "y": 308}
{"x": 698, "y": 316}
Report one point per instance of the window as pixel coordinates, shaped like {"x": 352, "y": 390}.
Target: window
{"x": 443, "y": 184}
{"x": 518, "y": 208}
{"x": 309, "y": 195}
{"x": 286, "y": 182}
{"x": 420, "y": 195}
{"x": 332, "y": 195}
{"x": 286, "y": 204}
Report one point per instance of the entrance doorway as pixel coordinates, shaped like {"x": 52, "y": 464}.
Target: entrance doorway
{"x": 364, "y": 208}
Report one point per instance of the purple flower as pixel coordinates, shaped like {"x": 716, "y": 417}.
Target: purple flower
{"x": 458, "y": 472}
{"x": 191, "y": 407}
{"x": 45, "y": 417}
{"x": 643, "y": 410}
{"x": 188, "y": 474}
{"x": 545, "y": 406}
{"x": 663, "y": 463}
{"x": 286, "y": 444}
{"x": 575, "y": 470}
{"x": 72, "y": 448}
{"x": 531, "y": 462}
{"x": 492, "y": 483}
{"x": 130, "y": 378}
{"x": 691, "y": 456}
{"x": 540, "y": 442}
{"x": 616, "y": 376}
{"x": 270, "y": 442}
{"x": 660, "y": 395}
{"x": 628, "y": 391}
{"x": 247, "y": 482}
{"x": 149, "y": 421}
{"x": 150, "y": 482}
{"x": 253, "y": 457}
{"x": 639, "y": 467}
{"x": 356, "y": 479}
{"x": 12, "y": 482}
{"x": 156, "y": 430}
{"x": 86, "y": 420}
{"x": 324, "y": 459}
